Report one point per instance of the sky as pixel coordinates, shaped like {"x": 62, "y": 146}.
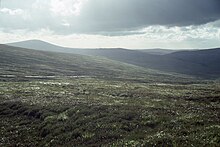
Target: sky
{"x": 132, "y": 24}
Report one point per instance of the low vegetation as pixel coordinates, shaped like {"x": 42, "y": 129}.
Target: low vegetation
{"x": 51, "y": 99}
{"x": 92, "y": 112}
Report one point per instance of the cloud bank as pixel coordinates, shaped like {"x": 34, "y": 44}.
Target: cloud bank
{"x": 154, "y": 19}
{"x": 98, "y": 16}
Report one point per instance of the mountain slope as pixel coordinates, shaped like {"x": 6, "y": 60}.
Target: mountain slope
{"x": 49, "y": 63}
{"x": 44, "y": 46}
{"x": 203, "y": 63}
{"x": 27, "y": 62}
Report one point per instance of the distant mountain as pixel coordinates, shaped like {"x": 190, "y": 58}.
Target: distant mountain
{"x": 201, "y": 63}
{"x": 208, "y": 60}
{"x": 41, "y": 45}
{"x": 45, "y": 46}
{"x": 158, "y": 51}
{"x": 206, "y": 65}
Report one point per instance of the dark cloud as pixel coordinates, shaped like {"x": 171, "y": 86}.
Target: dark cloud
{"x": 113, "y": 17}
{"x": 116, "y": 15}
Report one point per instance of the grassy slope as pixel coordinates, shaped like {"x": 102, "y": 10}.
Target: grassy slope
{"x": 119, "y": 105}
{"x": 48, "y": 63}
{"x": 196, "y": 63}
{"x": 25, "y": 62}
{"x": 203, "y": 63}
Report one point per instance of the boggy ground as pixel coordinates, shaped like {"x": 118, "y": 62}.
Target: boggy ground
{"x": 86, "y": 111}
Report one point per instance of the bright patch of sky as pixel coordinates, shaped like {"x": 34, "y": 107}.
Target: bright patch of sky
{"x": 66, "y": 7}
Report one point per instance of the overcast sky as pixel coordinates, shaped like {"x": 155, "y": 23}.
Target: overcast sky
{"x": 113, "y": 23}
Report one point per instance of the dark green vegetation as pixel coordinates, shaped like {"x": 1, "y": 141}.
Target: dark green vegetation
{"x": 199, "y": 63}
{"x": 55, "y": 99}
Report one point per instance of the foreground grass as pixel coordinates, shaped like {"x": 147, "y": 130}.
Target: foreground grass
{"x": 93, "y": 112}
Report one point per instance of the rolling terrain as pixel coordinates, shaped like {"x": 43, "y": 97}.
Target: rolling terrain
{"x": 22, "y": 62}
{"x": 198, "y": 63}
{"x": 60, "y": 99}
